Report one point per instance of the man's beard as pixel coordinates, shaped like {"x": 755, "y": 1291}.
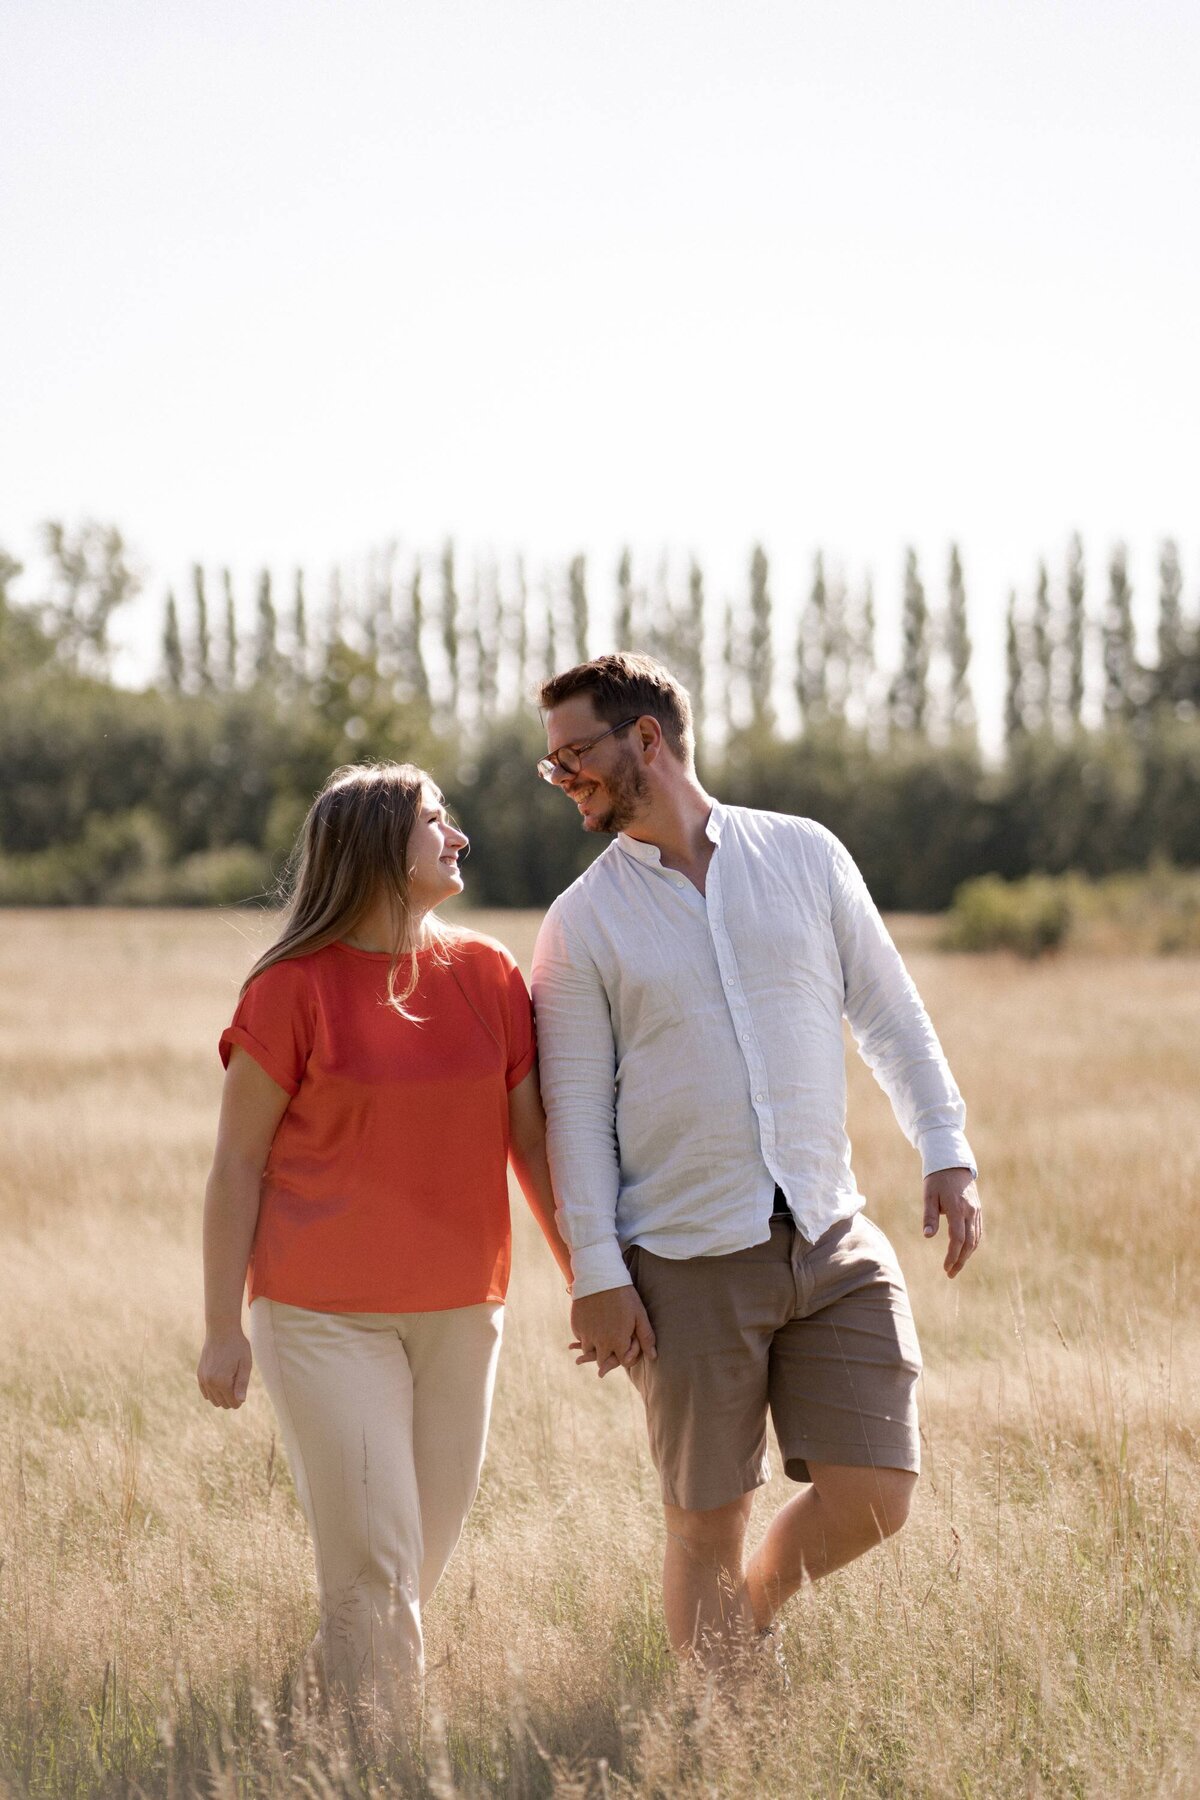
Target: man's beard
{"x": 627, "y": 787}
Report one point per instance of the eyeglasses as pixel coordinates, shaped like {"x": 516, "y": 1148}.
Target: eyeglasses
{"x": 567, "y": 760}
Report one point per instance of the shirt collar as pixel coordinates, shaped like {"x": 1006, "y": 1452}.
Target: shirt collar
{"x": 650, "y": 853}
{"x": 640, "y": 852}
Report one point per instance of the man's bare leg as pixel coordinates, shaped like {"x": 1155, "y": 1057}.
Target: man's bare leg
{"x": 704, "y": 1588}
{"x": 844, "y": 1512}
{"x": 710, "y": 1600}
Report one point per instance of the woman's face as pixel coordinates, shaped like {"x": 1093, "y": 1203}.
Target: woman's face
{"x": 432, "y": 854}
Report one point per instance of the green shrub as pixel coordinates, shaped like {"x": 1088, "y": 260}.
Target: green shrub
{"x": 223, "y": 877}
{"x": 1179, "y": 933}
{"x": 122, "y": 859}
{"x": 1158, "y": 911}
{"x": 1155, "y": 912}
{"x": 116, "y": 851}
{"x": 1029, "y": 917}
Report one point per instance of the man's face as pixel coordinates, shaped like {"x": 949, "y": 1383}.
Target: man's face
{"x": 610, "y": 789}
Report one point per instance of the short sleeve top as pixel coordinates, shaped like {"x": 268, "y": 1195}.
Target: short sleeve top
{"x": 386, "y": 1186}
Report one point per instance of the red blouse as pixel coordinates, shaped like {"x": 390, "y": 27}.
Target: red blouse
{"x": 386, "y": 1186}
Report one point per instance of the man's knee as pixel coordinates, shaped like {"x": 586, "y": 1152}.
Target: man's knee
{"x": 873, "y": 1503}
{"x": 715, "y": 1534}
{"x": 894, "y": 1490}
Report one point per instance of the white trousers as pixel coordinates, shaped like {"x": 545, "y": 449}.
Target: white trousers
{"x": 384, "y": 1418}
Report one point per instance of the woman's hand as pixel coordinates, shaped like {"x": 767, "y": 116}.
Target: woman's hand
{"x": 224, "y": 1367}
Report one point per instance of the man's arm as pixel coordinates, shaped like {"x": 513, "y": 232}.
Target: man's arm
{"x": 899, "y": 1045}
{"x": 577, "y": 1059}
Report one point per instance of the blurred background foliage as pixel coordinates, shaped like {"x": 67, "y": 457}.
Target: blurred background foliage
{"x": 191, "y": 791}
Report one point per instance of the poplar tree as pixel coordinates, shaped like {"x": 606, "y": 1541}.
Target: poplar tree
{"x": 552, "y": 642}
{"x": 369, "y": 613}
{"x": 909, "y": 697}
{"x": 449, "y": 622}
{"x": 623, "y": 617}
{"x": 469, "y": 651}
{"x": 1042, "y": 653}
{"x": 961, "y": 710}
{"x": 1120, "y": 667}
{"x": 172, "y": 648}
{"x": 335, "y": 608}
{"x": 487, "y": 641}
{"x": 231, "y": 633}
{"x": 861, "y": 648}
{"x": 693, "y": 647}
{"x": 659, "y": 625}
{"x": 1170, "y": 678}
{"x": 759, "y": 662}
{"x": 266, "y": 652}
{"x": 839, "y": 649}
{"x": 10, "y": 568}
{"x": 300, "y": 628}
{"x": 730, "y": 667}
{"x": 92, "y": 576}
{"x": 1189, "y": 673}
{"x": 385, "y": 608}
{"x": 812, "y": 690}
{"x": 1076, "y": 631}
{"x": 204, "y": 675}
{"x": 668, "y": 633}
{"x": 416, "y": 671}
{"x": 577, "y": 594}
{"x": 522, "y": 648}
{"x": 1014, "y": 697}
{"x": 10, "y": 642}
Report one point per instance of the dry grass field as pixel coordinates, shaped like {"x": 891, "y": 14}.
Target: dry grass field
{"x": 1033, "y": 1632}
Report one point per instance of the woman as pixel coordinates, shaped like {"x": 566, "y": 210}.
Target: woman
{"x": 380, "y": 1072}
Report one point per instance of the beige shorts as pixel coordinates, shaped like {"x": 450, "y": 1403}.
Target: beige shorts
{"x": 821, "y": 1335}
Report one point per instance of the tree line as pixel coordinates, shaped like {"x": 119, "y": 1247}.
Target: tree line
{"x": 193, "y": 787}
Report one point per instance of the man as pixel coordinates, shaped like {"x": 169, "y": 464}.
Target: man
{"x": 689, "y": 991}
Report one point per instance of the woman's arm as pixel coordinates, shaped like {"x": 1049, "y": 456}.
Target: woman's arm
{"x": 527, "y": 1153}
{"x": 251, "y": 1108}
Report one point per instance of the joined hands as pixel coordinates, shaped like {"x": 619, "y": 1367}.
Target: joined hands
{"x": 612, "y": 1329}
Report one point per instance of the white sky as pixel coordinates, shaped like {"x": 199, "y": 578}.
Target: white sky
{"x": 286, "y": 279}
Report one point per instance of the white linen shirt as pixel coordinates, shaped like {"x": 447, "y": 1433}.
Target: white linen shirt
{"x": 691, "y": 1044}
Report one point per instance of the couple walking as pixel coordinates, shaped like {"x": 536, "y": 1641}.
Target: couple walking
{"x": 691, "y": 1174}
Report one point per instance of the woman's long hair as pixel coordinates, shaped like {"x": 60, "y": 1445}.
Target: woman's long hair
{"x": 353, "y": 847}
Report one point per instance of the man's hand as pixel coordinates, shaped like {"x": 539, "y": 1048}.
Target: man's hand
{"x": 952, "y": 1191}
{"x": 611, "y": 1329}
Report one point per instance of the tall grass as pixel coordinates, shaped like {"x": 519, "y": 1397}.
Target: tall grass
{"x": 1033, "y": 1631}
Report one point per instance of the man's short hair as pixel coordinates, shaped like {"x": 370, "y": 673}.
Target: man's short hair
{"x": 623, "y": 685}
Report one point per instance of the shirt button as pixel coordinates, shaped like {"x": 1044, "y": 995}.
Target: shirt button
{"x": 758, "y": 1097}
{"x": 745, "y": 1037}
{"x": 729, "y": 981}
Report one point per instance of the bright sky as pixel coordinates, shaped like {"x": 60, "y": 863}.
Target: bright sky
{"x": 285, "y": 279}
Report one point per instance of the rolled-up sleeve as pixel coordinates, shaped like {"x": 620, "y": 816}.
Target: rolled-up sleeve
{"x": 891, "y": 1027}
{"x": 274, "y": 1022}
{"x": 577, "y": 1059}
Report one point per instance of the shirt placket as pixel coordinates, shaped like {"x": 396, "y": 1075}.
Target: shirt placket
{"x": 739, "y": 1011}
